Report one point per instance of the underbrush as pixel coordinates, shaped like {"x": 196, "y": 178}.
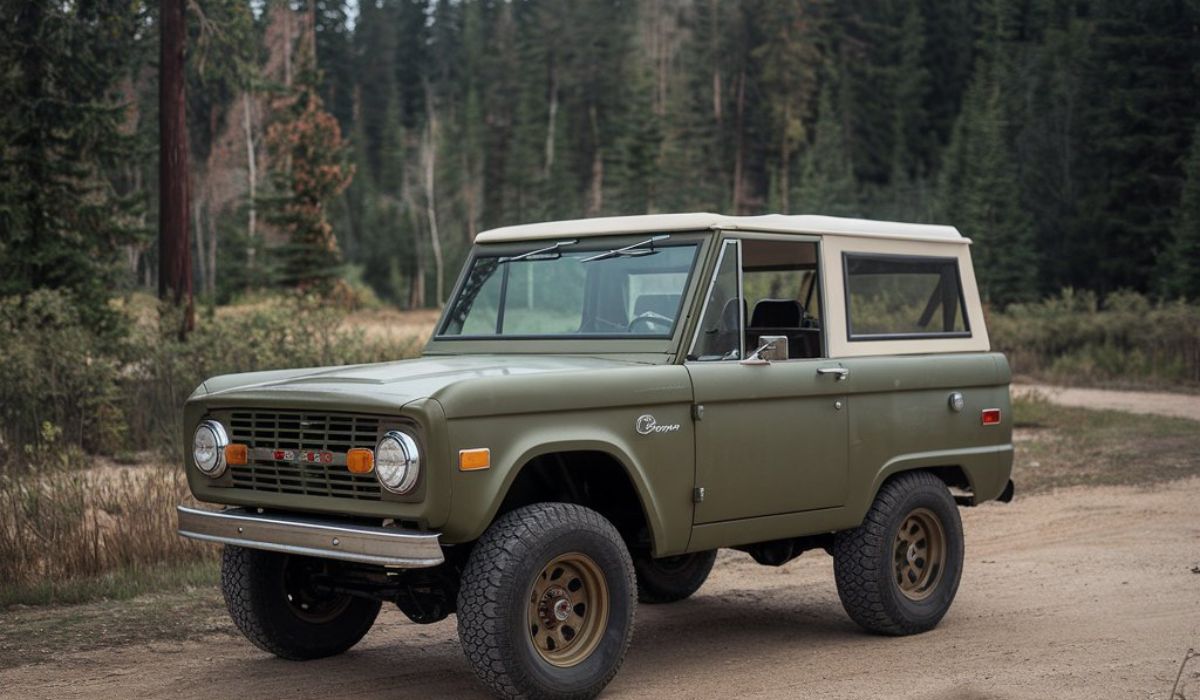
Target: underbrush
{"x": 120, "y": 393}
{"x": 76, "y": 404}
{"x": 1126, "y": 341}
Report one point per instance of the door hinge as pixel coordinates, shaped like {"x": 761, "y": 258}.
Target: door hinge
{"x": 698, "y": 494}
{"x": 698, "y": 412}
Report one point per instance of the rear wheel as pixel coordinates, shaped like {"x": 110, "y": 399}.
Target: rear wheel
{"x": 898, "y": 572}
{"x": 670, "y": 579}
{"x": 546, "y": 605}
{"x": 279, "y": 603}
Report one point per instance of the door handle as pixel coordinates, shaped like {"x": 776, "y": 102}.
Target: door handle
{"x": 839, "y": 373}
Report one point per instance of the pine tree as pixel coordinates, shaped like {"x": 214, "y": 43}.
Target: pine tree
{"x": 827, "y": 184}
{"x": 913, "y": 143}
{"x": 790, "y": 59}
{"x": 310, "y": 167}
{"x": 980, "y": 186}
{"x": 1179, "y": 265}
{"x": 1142, "y": 121}
{"x": 62, "y": 224}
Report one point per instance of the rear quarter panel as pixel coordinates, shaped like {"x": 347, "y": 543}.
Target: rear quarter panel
{"x": 901, "y": 419}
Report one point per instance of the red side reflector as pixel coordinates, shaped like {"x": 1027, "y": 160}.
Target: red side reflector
{"x": 990, "y": 416}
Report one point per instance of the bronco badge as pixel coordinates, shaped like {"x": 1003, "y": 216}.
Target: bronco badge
{"x": 646, "y": 425}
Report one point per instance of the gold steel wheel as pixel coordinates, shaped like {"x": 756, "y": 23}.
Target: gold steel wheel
{"x": 919, "y": 556}
{"x": 568, "y": 609}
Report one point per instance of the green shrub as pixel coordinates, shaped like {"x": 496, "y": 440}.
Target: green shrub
{"x": 55, "y": 371}
{"x": 1127, "y": 340}
{"x": 106, "y": 394}
{"x": 275, "y": 334}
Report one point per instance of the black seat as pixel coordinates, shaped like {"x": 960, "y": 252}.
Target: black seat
{"x": 784, "y": 317}
{"x": 777, "y": 313}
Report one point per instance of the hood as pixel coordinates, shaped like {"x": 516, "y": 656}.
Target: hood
{"x": 389, "y": 384}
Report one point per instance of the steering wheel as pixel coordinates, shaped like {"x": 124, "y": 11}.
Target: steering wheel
{"x": 651, "y": 319}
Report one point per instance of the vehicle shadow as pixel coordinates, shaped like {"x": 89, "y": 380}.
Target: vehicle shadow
{"x": 399, "y": 659}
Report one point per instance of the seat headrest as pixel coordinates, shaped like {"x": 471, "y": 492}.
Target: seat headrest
{"x": 777, "y": 313}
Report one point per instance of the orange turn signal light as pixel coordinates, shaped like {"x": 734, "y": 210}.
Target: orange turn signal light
{"x": 360, "y": 460}
{"x": 236, "y": 454}
{"x": 472, "y": 460}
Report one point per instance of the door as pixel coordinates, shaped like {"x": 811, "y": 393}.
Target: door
{"x": 771, "y": 437}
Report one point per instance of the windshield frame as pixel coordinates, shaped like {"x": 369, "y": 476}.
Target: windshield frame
{"x": 440, "y": 343}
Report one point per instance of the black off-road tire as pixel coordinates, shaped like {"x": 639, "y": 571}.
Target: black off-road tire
{"x": 252, "y": 582}
{"x": 671, "y": 579}
{"x": 864, "y": 564}
{"x": 499, "y": 582}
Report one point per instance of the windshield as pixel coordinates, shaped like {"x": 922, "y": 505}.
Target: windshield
{"x": 594, "y": 292}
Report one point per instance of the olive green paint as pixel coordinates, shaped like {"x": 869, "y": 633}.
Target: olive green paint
{"x": 780, "y": 449}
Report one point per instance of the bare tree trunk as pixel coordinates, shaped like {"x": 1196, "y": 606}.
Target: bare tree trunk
{"x": 597, "y": 199}
{"x": 287, "y": 44}
{"x": 662, "y": 58}
{"x": 740, "y": 155}
{"x": 551, "y": 120}
{"x": 435, "y": 237}
{"x": 174, "y": 254}
{"x": 716, "y": 77}
{"x": 252, "y": 181}
{"x": 416, "y": 287}
{"x": 785, "y": 155}
{"x": 212, "y": 256}
{"x": 469, "y": 196}
{"x": 310, "y": 32}
{"x": 198, "y": 228}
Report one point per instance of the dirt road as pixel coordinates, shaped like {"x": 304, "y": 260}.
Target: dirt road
{"x": 1159, "y": 404}
{"x": 1083, "y": 593}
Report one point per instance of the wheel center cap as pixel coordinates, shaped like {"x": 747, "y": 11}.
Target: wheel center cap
{"x": 912, "y": 553}
{"x": 562, "y": 610}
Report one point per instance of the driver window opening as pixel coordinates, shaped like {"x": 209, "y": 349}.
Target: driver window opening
{"x": 780, "y": 289}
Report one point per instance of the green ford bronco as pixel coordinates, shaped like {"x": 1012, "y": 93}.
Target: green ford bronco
{"x": 603, "y": 404}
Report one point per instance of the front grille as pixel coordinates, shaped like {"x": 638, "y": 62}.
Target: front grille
{"x": 296, "y": 430}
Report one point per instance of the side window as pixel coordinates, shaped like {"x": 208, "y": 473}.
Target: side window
{"x": 894, "y": 296}
{"x": 780, "y": 299}
{"x": 719, "y": 336}
{"x": 781, "y": 284}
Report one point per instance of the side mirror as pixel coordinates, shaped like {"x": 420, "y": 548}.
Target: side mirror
{"x": 772, "y": 347}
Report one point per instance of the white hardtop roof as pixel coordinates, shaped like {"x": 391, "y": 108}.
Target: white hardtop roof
{"x": 771, "y": 223}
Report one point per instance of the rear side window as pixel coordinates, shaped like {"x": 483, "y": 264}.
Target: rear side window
{"x": 890, "y": 297}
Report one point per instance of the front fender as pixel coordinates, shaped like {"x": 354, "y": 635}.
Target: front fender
{"x": 660, "y": 466}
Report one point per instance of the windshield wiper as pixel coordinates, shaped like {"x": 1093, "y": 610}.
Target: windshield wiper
{"x": 540, "y": 251}
{"x": 629, "y": 251}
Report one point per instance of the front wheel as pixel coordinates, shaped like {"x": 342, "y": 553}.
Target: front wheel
{"x": 279, "y": 604}
{"x": 898, "y": 571}
{"x": 546, "y": 605}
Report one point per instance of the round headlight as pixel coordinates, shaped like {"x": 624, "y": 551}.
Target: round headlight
{"x": 208, "y": 448}
{"x": 397, "y": 462}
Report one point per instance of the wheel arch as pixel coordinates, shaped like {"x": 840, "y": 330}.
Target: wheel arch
{"x": 980, "y": 470}
{"x": 591, "y": 473}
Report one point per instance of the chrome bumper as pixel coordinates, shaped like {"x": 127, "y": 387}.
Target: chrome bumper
{"x": 293, "y": 534}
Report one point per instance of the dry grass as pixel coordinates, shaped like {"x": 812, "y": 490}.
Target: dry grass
{"x": 60, "y": 526}
{"x": 1059, "y": 446}
{"x": 392, "y": 325}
